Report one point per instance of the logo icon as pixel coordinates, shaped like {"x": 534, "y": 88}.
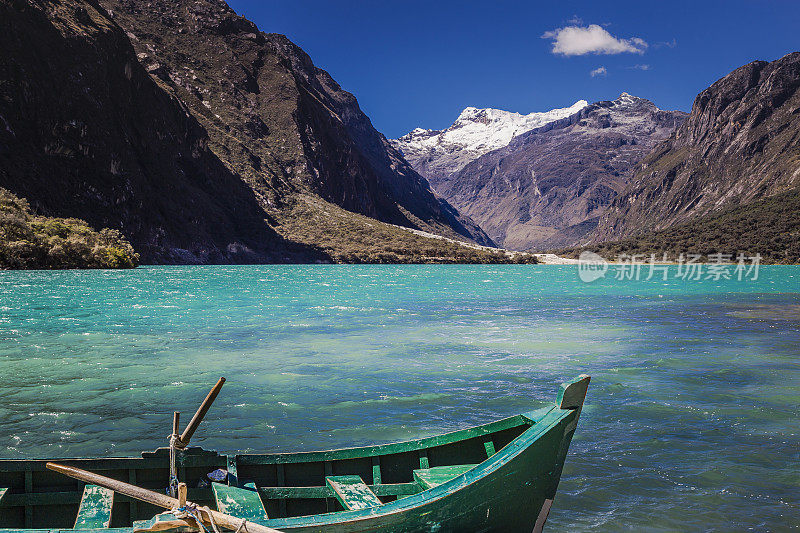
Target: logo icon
{"x": 591, "y": 267}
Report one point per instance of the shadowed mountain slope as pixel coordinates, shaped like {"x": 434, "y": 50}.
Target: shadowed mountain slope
{"x": 85, "y": 132}
{"x": 203, "y": 140}
{"x": 283, "y": 124}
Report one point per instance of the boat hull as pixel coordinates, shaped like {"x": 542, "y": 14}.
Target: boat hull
{"x": 510, "y": 495}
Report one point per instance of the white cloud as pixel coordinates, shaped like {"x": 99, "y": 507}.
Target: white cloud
{"x": 669, "y": 44}
{"x": 575, "y": 20}
{"x": 599, "y": 71}
{"x": 640, "y": 67}
{"x": 592, "y": 39}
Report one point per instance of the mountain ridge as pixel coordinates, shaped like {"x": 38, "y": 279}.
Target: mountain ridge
{"x": 88, "y": 134}
{"x": 201, "y": 151}
{"x": 438, "y": 153}
{"x": 739, "y": 144}
{"x": 280, "y": 121}
{"x": 548, "y": 186}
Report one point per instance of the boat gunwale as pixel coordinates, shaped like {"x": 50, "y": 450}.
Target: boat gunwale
{"x": 387, "y": 448}
{"x": 201, "y": 457}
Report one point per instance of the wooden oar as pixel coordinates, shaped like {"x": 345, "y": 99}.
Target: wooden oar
{"x": 198, "y": 416}
{"x": 176, "y": 422}
{"x": 155, "y": 498}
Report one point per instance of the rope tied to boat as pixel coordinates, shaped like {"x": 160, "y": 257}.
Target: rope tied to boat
{"x": 175, "y": 444}
{"x": 196, "y": 513}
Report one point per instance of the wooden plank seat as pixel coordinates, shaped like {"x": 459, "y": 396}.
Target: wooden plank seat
{"x": 352, "y": 492}
{"x": 239, "y": 502}
{"x": 95, "y": 509}
{"x": 428, "y": 478}
{"x": 163, "y": 523}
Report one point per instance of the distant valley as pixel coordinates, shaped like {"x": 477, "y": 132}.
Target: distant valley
{"x": 625, "y": 176}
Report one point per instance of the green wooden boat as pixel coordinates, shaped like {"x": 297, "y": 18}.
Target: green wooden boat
{"x": 501, "y": 476}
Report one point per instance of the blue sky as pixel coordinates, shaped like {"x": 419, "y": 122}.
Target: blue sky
{"x": 415, "y": 63}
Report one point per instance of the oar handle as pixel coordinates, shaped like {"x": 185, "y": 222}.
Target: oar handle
{"x": 201, "y": 412}
{"x": 155, "y": 498}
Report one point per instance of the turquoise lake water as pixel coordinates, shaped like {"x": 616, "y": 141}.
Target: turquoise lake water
{"x": 692, "y": 421}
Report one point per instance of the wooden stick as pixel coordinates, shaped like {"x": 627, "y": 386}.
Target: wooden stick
{"x": 201, "y": 412}
{"x": 174, "y": 440}
{"x": 182, "y": 491}
{"x": 155, "y": 498}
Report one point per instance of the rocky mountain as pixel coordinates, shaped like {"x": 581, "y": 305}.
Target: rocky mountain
{"x": 437, "y": 154}
{"x": 86, "y": 133}
{"x": 283, "y": 124}
{"x": 740, "y": 144}
{"x": 548, "y": 186}
{"x": 202, "y": 139}
{"x": 769, "y": 228}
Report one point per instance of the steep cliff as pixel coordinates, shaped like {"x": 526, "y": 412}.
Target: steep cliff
{"x": 203, "y": 140}
{"x": 740, "y": 144}
{"x": 85, "y": 132}
{"x": 280, "y": 122}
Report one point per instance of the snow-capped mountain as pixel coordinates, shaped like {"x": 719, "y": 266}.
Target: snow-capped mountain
{"x": 548, "y": 186}
{"x": 439, "y": 153}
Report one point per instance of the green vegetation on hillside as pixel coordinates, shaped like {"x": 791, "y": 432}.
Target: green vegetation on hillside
{"x": 347, "y": 237}
{"x": 770, "y": 227}
{"x": 28, "y": 241}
